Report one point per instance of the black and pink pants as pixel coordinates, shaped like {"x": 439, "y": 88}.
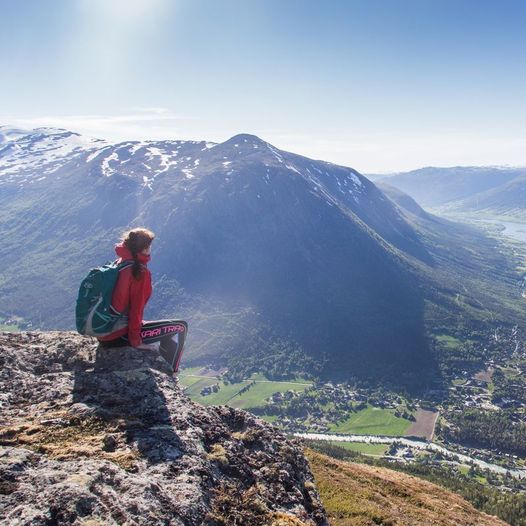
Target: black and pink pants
{"x": 169, "y": 334}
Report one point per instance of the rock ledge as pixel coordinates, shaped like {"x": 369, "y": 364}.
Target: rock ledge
{"x": 100, "y": 437}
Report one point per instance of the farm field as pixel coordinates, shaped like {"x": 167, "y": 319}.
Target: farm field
{"x": 187, "y": 377}
{"x": 364, "y": 449}
{"x": 259, "y": 389}
{"x": 373, "y": 421}
{"x": 486, "y": 375}
{"x": 424, "y": 425}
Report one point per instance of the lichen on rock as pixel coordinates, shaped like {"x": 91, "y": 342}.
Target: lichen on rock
{"x": 106, "y": 436}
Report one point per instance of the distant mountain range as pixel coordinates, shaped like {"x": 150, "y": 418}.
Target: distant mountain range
{"x": 271, "y": 256}
{"x": 507, "y": 199}
{"x": 489, "y": 190}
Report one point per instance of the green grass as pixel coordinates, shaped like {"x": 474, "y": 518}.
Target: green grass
{"x": 225, "y": 393}
{"x": 364, "y": 449}
{"x": 228, "y": 394}
{"x": 254, "y": 397}
{"x": 187, "y": 381}
{"x": 194, "y": 390}
{"x": 191, "y": 376}
{"x": 9, "y": 328}
{"x": 190, "y": 370}
{"x": 449, "y": 341}
{"x": 257, "y": 394}
{"x": 269, "y": 418}
{"x": 480, "y": 479}
{"x": 372, "y": 421}
{"x": 259, "y": 377}
{"x": 463, "y": 469}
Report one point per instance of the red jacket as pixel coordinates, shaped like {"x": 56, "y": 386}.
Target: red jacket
{"x": 132, "y": 295}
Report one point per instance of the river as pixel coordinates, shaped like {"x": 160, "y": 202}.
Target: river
{"x": 511, "y": 229}
{"x": 417, "y": 444}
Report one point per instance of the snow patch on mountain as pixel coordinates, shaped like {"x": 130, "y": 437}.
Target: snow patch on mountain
{"x": 28, "y": 156}
{"x": 107, "y": 170}
{"x": 42, "y": 151}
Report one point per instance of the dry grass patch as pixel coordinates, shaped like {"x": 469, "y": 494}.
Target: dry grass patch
{"x": 68, "y": 439}
{"x": 361, "y": 495}
{"x": 232, "y": 505}
{"x": 218, "y": 454}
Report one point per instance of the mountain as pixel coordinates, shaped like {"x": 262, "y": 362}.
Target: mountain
{"x": 265, "y": 252}
{"x": 433, "y": 187}
{"x": 507, "y": 199}
{"x": 94, "y": 437}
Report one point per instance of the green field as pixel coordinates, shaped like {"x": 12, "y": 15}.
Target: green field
{"x": 12, "y": 324}
{"x": 373, "y": 421}
{"x": 449, "y": 341}
{"x": 223, "y": 396}
{"x": 193, "y": 383}
{"x": 9, "y": 328}
{"x": 364, "y": 449}
{"x": 269, "y": 418}
{"x": 187, "y": 377}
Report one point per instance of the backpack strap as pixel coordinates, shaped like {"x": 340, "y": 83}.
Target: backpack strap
{"x": 121, "y": 266}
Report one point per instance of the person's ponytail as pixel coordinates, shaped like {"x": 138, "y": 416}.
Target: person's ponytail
{"x": 136, "y": 241}
{"x": 137, "y": 267}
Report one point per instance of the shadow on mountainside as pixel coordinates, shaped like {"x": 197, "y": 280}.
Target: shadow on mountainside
{"x": 122, "y": 390}
{"x": 315, "y": 275}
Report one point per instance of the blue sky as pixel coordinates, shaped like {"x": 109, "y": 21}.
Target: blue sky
{"x": 378, "y": 85}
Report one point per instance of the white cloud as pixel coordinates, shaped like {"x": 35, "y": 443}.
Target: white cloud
{"x": 389, "y": 153}
{"x": 142, "y": 123}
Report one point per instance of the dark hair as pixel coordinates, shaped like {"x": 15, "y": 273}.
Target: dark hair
{"x": 136, "y": 240}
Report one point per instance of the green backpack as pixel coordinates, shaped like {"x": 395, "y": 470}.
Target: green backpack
{"x": 94, "y": 314}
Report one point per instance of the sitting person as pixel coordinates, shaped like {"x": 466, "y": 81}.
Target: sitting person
{"x": 130, "y": 295}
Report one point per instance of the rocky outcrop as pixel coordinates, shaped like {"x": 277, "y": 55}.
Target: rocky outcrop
{"x": 92, "y": 436}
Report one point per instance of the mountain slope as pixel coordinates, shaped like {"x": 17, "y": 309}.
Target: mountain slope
{"x": 470, "y": 266}
{"x": 432, "y": 187}
{"x": 507, "y": 199}
{"x": 361, "y": 495}
{"x": 91, "y": 437}
{"x": 298, "y": 247}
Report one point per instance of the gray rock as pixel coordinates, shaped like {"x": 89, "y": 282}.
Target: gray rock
{"x": 97, "y": 436}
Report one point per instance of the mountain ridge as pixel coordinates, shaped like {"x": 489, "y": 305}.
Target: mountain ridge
{"x": 435, "y": 186}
